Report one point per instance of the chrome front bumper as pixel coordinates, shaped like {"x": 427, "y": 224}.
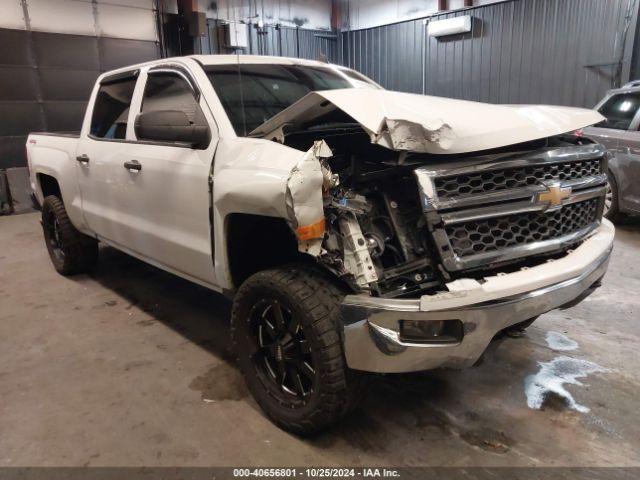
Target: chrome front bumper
{"x": 371, "y": 325}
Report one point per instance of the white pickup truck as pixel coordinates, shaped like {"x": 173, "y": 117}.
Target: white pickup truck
{"x": 356, "y": 229}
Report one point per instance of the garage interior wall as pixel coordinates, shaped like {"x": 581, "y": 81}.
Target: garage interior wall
{"x": 565, "y": 52}
{"x": 307, "y": 14}
{"x": 52, "y": 51}
{"x": 290, "y": 28}
{"x": 273, "y": 40}
{"x": 360, "y": 14}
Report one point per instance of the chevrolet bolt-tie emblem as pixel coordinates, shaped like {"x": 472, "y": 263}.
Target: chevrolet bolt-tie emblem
{"x": 554, "y": 195}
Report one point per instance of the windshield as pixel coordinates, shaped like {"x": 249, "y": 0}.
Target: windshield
{"x": 267, "y": 89}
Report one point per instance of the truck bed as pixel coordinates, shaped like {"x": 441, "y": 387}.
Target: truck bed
{"x": 58, "y": 134}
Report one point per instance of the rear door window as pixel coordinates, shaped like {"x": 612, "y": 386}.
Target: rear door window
{"x": 111, "y": 109}
{"x": 619, "y": 110}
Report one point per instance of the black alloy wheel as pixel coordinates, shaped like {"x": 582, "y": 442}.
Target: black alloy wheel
{"x": 54, "y": 237}
{"x": 286, "y": 330}
{"x": 283, "y": 355}
{"x": 70, "y": 251}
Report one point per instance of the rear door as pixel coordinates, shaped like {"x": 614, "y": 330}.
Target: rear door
{"x": 162, "y": 190}
{"x": 103, "y": 141}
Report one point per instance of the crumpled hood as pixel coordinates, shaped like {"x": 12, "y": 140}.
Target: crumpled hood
{"x": 419, "y": 123}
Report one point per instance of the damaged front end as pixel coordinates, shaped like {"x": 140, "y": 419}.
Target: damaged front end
{"x": 401, "y": 204}
{"x": 367, "y": 232}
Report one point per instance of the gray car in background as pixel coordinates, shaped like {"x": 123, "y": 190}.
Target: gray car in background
{"x": 621, "y": 135}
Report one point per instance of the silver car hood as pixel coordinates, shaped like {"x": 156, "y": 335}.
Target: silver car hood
{"x": 419, "y": 123}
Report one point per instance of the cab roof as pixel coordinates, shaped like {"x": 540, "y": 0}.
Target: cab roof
{"x": 253, "y": 59}
{"x": 207, "y": 60}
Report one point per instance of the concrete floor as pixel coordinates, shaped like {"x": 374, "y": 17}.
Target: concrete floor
{"x": 130, "y": 366}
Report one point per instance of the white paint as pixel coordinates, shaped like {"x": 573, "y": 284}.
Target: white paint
{"x": 553, "y": 376}
{"x": 304, "y": 192}
{"x": 560, "y": 342}
{"x": 449, "y": 26}
{"x": 433, "y": 124}
{"x": 250, "y": 177}
{"x": 11, "y": 15}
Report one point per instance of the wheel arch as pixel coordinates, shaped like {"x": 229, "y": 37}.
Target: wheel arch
{"x": 48, "y": 185}
{"x": 258, "y": 242}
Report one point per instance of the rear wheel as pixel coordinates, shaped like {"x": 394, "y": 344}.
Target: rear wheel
{"x": 285, "y": 334}
{"x": 70, "y": 251}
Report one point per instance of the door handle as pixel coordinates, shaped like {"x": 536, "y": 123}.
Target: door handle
{"x": 133, "y": 165}
{"x": 84, "y": 158}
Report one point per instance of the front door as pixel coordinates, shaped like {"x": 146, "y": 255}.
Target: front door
{"x": 152, "y": 199}
{"x": 164, "y": 187}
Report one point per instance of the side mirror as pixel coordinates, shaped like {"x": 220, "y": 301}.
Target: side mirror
{"x": 171, "y": 126}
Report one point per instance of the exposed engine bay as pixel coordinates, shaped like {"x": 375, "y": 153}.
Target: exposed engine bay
{"x": 376, "y": 236}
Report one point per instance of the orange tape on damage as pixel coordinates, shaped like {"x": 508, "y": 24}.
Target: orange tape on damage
{"x": 309, "y": 232}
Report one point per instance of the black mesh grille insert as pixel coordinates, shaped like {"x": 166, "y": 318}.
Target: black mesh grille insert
{"x": 502, "y": 179}
{"x": 492, "y": 234}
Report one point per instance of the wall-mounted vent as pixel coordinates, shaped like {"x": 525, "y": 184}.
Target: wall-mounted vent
{"x": 449, "y": 26}
{"x": 237, "y": 35}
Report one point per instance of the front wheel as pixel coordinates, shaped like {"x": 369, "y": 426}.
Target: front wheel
{"x": 285, "y": 333}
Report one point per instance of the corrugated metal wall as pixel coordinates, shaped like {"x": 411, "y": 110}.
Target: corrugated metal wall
{"x": 51, "y": 52}
{"x": 563, "y": 52}
{"x": 271, "y": 40}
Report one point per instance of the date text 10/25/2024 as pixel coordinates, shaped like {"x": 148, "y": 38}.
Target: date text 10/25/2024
{"x": 316, "y": 472}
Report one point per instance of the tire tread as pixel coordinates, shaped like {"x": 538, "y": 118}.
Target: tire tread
{"x": 81, "y": 251}
{"x": 321, "y": 299}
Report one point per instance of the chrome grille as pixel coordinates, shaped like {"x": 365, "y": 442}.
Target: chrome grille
{"x": 481, "y": 236}
{"x": 506, "y": 178}
{"x": 502, "y": 210}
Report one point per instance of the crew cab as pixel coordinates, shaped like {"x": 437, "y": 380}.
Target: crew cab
{"x": 356, "y": 229}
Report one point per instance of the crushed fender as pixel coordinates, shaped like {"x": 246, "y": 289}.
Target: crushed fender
{"x": 415, "y": 137}
{"x": 305, "y": 185}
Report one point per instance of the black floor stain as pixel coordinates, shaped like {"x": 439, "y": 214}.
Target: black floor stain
{"x": 553, "y": 401}
{"x": 220, "y": 383}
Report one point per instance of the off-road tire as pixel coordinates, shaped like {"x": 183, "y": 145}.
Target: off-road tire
{"x": 71, "y": 252}
{"x": 613, "y": 213}
{"x": 315, "y": 302}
